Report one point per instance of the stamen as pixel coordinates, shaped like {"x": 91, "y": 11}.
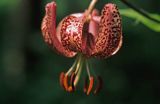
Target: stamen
{"x": 99, "y": 85}
{"x": 70, "y": 89}
{"x": 78, "y": 74}
{"x": 79, "y": 70}
{"x": 74, "y": 74}
{"x": 73, "y": 66}
{"x": 65, "y": 82}
{"x": 90, "y": 86}
{"x": 85, "y": 85}
{"x": 87, "y": 67}
{"x": 62, "y": 75}
{"x": 72, "y": 81}
{"x": 78, "y": 64}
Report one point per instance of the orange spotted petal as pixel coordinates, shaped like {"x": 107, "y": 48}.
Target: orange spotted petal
{"x": 71, "y": 33}
{"x": 50, "y": 35}
{"x": 109, "y": 39}
{"x": 75, "y": 35}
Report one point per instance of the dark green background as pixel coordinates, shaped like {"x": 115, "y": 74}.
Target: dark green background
{"x": 29, "y": 69}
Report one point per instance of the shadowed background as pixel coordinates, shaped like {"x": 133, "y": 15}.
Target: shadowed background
{"x": 29, "y": 69}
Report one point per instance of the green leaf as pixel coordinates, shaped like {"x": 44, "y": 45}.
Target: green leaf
{"x": 142, "y": 19}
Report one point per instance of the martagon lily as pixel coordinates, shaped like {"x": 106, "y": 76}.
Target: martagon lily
{"x": 84, "y": 35}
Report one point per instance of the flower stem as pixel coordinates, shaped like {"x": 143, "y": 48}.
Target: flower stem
{"x": 90, "y": 8}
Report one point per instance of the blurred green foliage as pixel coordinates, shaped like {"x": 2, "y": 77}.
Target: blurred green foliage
{"x": 8, "y": 3}
{"x": 29, "y": 69}
{"x": 139, "y": 18}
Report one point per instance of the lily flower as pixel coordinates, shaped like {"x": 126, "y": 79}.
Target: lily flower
{"x": 84, "y": 35}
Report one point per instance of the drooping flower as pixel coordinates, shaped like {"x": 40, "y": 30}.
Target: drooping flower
{"x": 83, "y": 35}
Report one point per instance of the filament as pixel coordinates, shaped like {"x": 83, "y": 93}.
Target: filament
{"x": 79, "y": 71}
{"x": 73, "y": 66}
{"x": 87, "y": 68}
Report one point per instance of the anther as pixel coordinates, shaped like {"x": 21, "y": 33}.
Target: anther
{"x": 61, "y": 79}
{"x": 90, "y": 85}
{"x": 65, "y": 82}
{"x": 99, "y": 85}
{"x": 72, "y": 79}
{"x": 88, "y": 88}
{"x": 85, "y": 85}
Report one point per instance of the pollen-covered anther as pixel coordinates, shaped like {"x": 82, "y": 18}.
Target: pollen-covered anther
{"x": 72, "y": 79}
{"x": 64, "y": 82}
{"x": 61, "y": 79}
{"x": 88, "y": 87}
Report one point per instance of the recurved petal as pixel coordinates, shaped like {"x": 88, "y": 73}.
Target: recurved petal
{"x": 50, "y": 35}
{"x": 75, "y": 33}
{"x": 109, "y": 39}
{"x": 71, "y": 32}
